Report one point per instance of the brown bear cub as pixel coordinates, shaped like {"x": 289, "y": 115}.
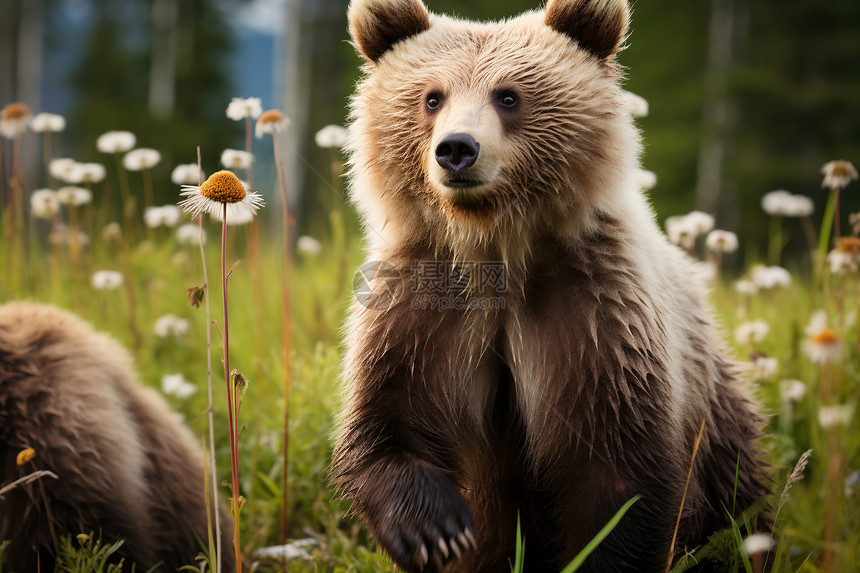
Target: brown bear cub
{"x": 529, "y": 344}
{"x": 126, "y": 467}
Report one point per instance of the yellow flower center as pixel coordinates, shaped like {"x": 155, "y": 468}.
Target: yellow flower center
{"x": 14, "y": 111}
{"x": 840, "y": 169}
{"x": 271, "y": 116}
{"x": 25, "y": 456}
{"x": 223, "y": 187}
{"x": 825, "y": 337}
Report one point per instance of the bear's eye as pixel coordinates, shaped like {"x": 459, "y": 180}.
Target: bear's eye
{"x": 434, "y": 101}
{"x": 507, "y": 99}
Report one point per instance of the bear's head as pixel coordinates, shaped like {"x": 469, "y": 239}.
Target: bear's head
{"x": 478, "y": 137}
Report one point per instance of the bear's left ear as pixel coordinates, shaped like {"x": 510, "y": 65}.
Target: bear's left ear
{"x": 599, "y": 26}
{"x": 376, "y": 25}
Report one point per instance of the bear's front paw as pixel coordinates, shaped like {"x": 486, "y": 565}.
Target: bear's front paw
{"x": 422, "y": 521}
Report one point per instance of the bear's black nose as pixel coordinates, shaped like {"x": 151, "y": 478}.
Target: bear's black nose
{"x": 457, "y": 151}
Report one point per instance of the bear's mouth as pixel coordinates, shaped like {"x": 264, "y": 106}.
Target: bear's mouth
{"x": 462, "y": 182}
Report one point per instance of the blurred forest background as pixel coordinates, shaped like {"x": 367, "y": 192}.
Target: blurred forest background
{"x": 745, "y": 96}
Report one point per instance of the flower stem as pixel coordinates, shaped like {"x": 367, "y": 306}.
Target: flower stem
{"x": 285, "y": 293}
{"x": 211, "y": 409}
{"x": 231, "y": 406}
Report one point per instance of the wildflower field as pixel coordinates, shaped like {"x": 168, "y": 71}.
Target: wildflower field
{"x": 88, "y": 237}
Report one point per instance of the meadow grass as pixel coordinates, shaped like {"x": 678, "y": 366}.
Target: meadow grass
{"x": 818, "y": 526}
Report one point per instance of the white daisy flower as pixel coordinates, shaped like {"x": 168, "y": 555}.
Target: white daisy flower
{"x": 189, "y": 234}
{"x": 823, "y": 344}
{"x": 14, "y": 119}
{"x": 75, "y": 196}
{"x": 792, "y": 390}
{"x": 331, "y": 136}
{"x": 781, "y": 203}
{"x": 106, "y": 280}
{"x": 86, "y": 173}
{"x": 766, "y": 278}
{"x": 764, "y": 367}
{"x": 645, "y": 179}
{"x": 240, "y": 108}
{"x": 170, "y": 324}
{"x": 61, "y": 168}
{"x": 236, "y": 159}
{"x": 745, "y": 286}
{"x": 187, "y": 174}
{"x": 758, "y": 543}
{"x": 222, "y": 188}
{"x": 308, "y": 246}
{"x": 116, "y": 142}
{"x": 50, "y": 122}
{"x": 681, "y": 232}
{"x": 751, "y": 332}
{"x": 166, "y": 216}
{"x": 272, "y": 122}
{"x": 141, "y": 158}
{"x": 177, "y": 385}
{"x": 61, "y": 235}
{"x": 722, "y": 241}
{"x": 635, "y": 104}
{"x": 44, "y": 204}
{"x": 838, "y": 174}
{"x": 835, "y": 416}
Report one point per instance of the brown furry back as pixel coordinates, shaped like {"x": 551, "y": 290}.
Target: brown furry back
{"x": 126, "y": 466}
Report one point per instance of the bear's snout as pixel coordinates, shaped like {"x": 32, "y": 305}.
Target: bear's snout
{"x": 457, "y": 151}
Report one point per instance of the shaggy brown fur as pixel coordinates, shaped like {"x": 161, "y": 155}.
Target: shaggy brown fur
{"x": 588, "y": 383}
{"x": 127, "y": 468}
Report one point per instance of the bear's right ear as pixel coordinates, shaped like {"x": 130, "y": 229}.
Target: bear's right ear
{"x": 599, "y": 26}
{"x": 376, "y": 25}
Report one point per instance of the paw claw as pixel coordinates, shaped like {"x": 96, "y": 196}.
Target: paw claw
{"x": 424, "y": 557}
{"x": 471, "y": 537}
{"x": 455, "y": 548}
{"x": 443, "y": 548}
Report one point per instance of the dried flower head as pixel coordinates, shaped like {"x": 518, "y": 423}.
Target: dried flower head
{"x": 24, "y": 456}
{"x": 751, "y": 332}
{"x": 62, "y": 235}
{"x": 165, "y": 216}
{"x": 635, "y": 104}
{"x": 14, "y": 119}
{"x": 222, "y": 188}
{"x": 106, "y": 280}
{"x": 187, "y": 174}
{"x": 75, "y": 196}
{"x": 49, "y": 122}
{"x": 140, "y": 159}
{"x": 236, "y": 159}
{"x": 331, "y": 136}
{"x": 240, "y": 108}
{"x": 745, "y": 286}
{"x": 44, "y": 204}
{"x": 272, "y": 121}
{"x": 112, "y": 232}
{"x": 854, "y": 220}
{"x": 722, "y": 241}
{"x": 838, "y": 174}
{"x": 195, "y": 295}
{"x": 116, "y": 142}
{"x": 177, "y": 385}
